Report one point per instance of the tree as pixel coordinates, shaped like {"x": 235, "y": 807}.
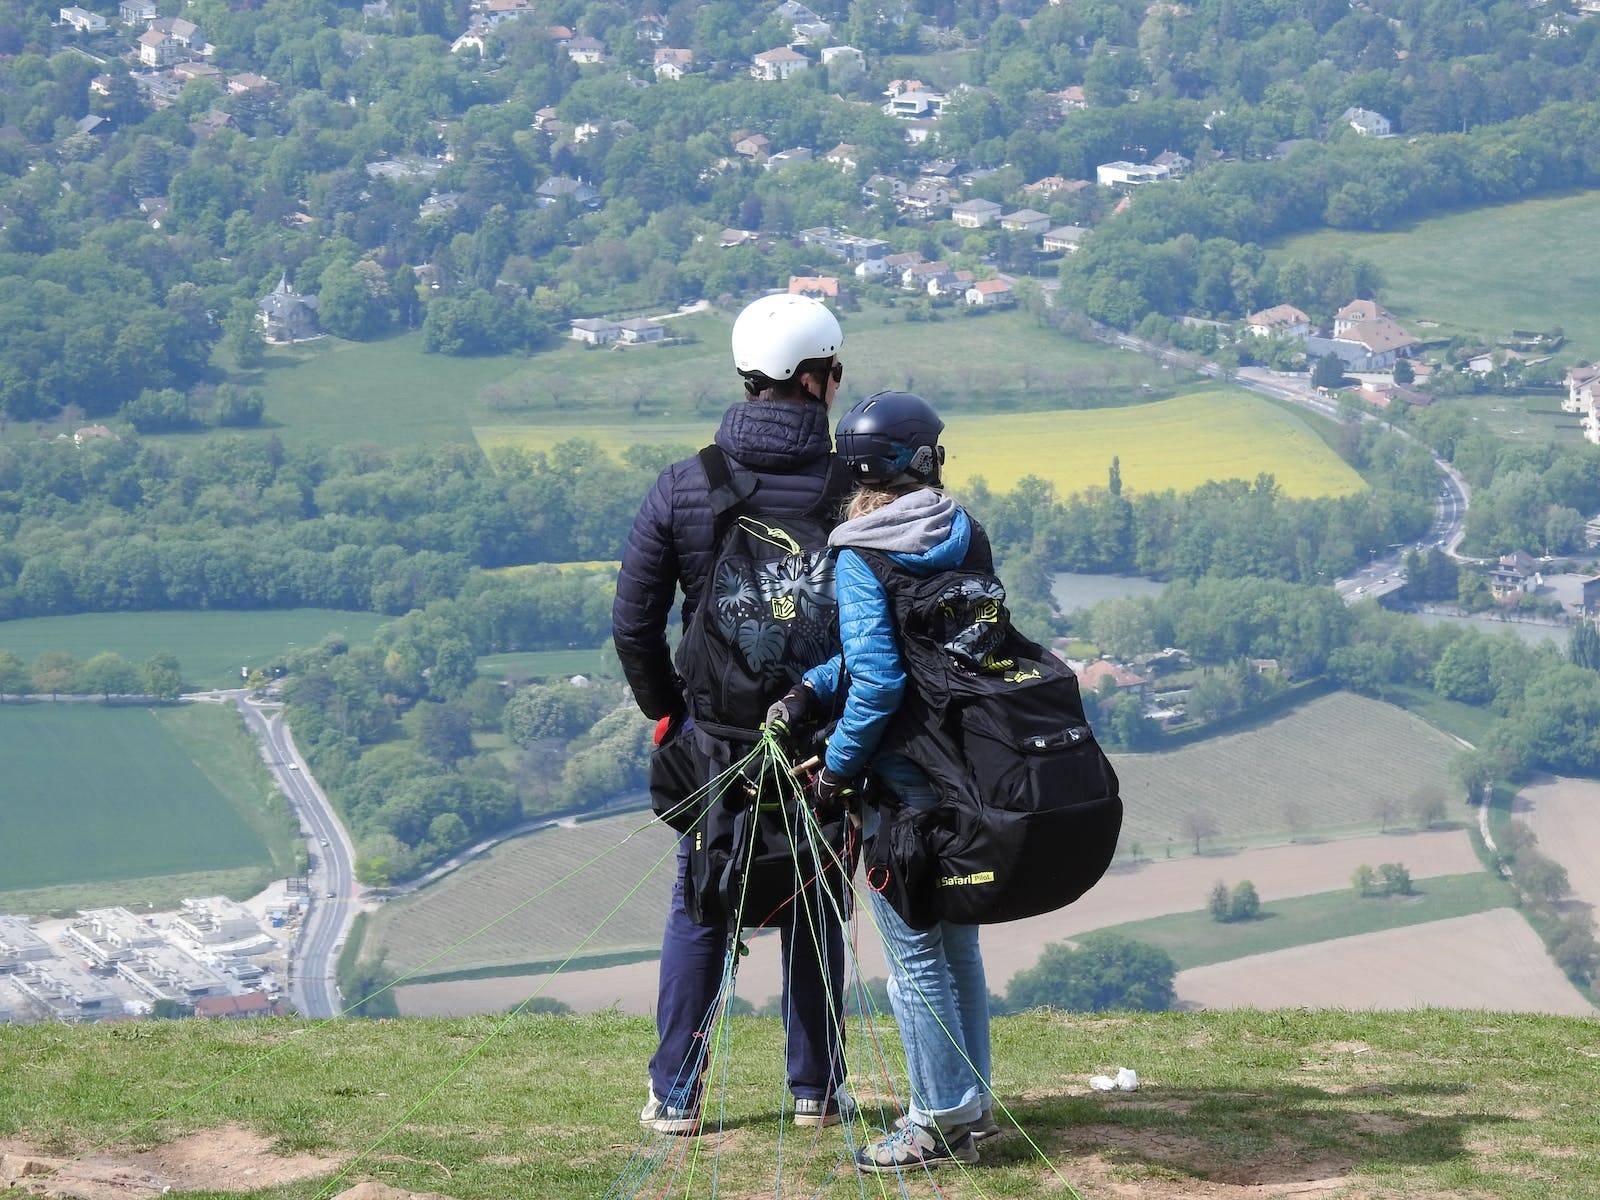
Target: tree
{"x": 1364, "y": 880}
{"x": 159, "y": 410}
{"x": 455, "y": 666}
{"x": 1106, "y": 971}
{"x": 238, "y": 407}
{"x": 14, "y": 677}
{"x": 1244, "y": 904}
{"x": 242, "y": 337}
{"x": 1576, "y": 952}
{"x": 162, "y": 677}
{"x": 1296, "y": 816}
{"x": 1217, "y": 902}
{"x": 447, "y": 832}
{"x": 1394, "y": 879}
{"x": 1474, "y": 771}
{"x": 54, "y": 672}
{"x": 169, "y": 1010}
{"x": 1541, "y": 878}
{"x": 1197, "y": 825}
{"x": 444, "y": 732}
{"x": 1583, "y": 647}
{"x": 1403, "y": 372}
{"x": 1428, "y": 806}
{"x": 346, "y": 305}
{"x": 1328, "y": 372}
{"x": 1385, "y": 807}
{"x": 109, "y": 674}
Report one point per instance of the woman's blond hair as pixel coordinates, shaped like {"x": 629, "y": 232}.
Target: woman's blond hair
{"x": 868, "y": 498}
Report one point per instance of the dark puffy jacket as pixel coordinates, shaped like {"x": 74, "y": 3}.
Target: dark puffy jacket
{"x": 785, "y": 447}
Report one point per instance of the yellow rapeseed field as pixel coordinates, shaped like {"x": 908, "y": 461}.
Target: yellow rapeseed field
{"x": 1178, "y": 443}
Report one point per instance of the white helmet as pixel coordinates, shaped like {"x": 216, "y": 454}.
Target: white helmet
{"x": 775, "y": 334}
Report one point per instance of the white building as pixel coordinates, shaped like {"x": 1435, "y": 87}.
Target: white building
{"x": 1366, "y": 122}
{"x": 1127, "y": 175}
{"x": 110, "y": 935}
{"x": 83, "y": 21}
{"x": 1064, "y": 239}
{"x": 585, "y": 50}
{"x": 844, "y": 56}
{"x": 594, "y": 331}
{"x": 20, "y": 944}
{"x": 781, "y": 63}
{"x": 640, "y": 330}
{"x": 67, "y": 991}
{"x": 1026, "y": 220}
{"x": 992, "y": 293}
{"x": 916, "y": 105}
{"x": 214, "y": 920}
{"x": 165, "y": 972}
{"x": 157, "y": 49}
{"x": 137, "y": 12}
{"x": 975, "y": 214}
{"x": 1281, "y": 320}
{"x": 673, "y": 63}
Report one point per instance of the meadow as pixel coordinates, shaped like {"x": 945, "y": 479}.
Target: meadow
{"x": 1241, "y": 780}
{"x": 1232, "y": 1106}
{"x": 211, "y": 646}
{"x": 118, "y": 805}
{"x": 1484, "y": 271}
{"x": 1177, "y": 443}
{"x": 391, "y": 393}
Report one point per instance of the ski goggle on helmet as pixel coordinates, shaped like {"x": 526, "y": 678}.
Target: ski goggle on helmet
{"x": 891, "y": 438}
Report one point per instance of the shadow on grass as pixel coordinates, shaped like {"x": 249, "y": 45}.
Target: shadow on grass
{"x": 1278, "y": 1135}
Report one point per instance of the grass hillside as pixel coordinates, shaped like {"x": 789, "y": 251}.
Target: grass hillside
{"x": 1485, "y": 271}
{"x": 1245, "y": 1104}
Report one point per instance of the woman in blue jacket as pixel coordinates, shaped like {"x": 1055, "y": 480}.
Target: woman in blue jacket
{"x": 890, "y": 443}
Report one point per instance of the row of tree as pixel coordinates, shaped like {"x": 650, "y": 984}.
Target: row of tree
{"x": 56, "y": 673}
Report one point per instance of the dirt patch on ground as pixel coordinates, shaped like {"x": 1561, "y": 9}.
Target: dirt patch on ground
{"x": 228, "y": 1159}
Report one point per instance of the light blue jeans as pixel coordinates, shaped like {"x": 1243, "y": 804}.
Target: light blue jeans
{"x": 938, "y": 991}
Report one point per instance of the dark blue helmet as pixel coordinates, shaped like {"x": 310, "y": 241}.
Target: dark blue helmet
{"x": 891, "y": 438}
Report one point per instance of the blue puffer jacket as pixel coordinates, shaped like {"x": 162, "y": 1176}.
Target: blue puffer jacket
{"x": 876, "y": 677}
{"x": 785, "y": 448}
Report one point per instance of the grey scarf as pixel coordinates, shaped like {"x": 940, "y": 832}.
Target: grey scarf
{"x": 911, "y": 524}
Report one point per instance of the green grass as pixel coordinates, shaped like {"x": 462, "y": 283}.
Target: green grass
{"x": 539, "y": 665}
{"x": 210, "y": 645}
{"x": 1178, "y": 443}
{"x": 1469, "y": 722}
{"x": 1485, "y": 271}
{"x": 1522, "y": 416}
{"x": 113, "y": 805}
{"x": 392, "y": 394}
{"x": 1195, "y": 940}
{"x": 1427, "y": 1104}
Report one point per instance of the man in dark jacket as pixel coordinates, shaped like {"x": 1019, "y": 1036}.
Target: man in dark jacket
{"x": 777, "y": 441}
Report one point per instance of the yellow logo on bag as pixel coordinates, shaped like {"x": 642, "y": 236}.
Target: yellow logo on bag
{"x": 967, "y": 880}
{"x": 988, "y": 612}
{"x": 991, "y": 663}
{"x": 783, "y": 608}
{"x": 1023, "y": 676}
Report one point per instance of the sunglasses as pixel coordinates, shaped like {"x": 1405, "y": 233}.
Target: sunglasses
{"x": 837, "y": 371}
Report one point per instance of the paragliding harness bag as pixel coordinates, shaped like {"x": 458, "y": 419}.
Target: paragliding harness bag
{"x": 1028, "y": 811}
{"x": 768, "y": 612}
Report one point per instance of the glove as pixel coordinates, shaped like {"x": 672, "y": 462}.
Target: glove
{"x": 830, "y": 793}
{"x": 792, "y": 713}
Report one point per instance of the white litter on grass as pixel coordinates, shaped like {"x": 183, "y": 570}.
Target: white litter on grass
{"x": 1126, "y": 1080}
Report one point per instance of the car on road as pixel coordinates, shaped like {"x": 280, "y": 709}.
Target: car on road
{"x": 333, "y": 895}
{"x": 323, "y": 841}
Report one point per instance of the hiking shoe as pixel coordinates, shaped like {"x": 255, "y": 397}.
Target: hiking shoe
{"x": 660, "y": 1117}
{"x": 914, "y": 1147}
{"x": 984, "y": 1128}
{"x": 819, "y": 1114}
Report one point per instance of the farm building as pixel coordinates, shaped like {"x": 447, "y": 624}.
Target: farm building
{"x": 594, "y": 331}
{"x": 639, "y": 330}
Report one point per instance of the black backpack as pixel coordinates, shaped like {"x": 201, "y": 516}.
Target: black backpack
{"x": 1029, "y": 810}
{"x": 767, "y": 614}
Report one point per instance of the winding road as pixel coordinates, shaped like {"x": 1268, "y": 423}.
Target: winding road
{"x": 335, "y": 895}
{"x": 1382, "y": 575}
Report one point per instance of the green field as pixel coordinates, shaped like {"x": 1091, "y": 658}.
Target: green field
{"x": 1195, "y": 940}
{"x": 1178, "y": 443}
{"x": 539, "y": 665}
{"x": 1331, "y": 754}
{"x": 124, "y": 805}
{"x": 1486, "y": 271}
{"x": 1241, "y": 1104}
{"x": 211, "y": 645}
{"x": 391, "y": 393}
{"x": 1523, "y": 416}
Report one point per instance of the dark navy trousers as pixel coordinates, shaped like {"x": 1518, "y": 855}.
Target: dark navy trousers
{"x": 692, "y": 961}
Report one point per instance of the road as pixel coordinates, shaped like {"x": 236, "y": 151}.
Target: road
{"x": 334, "y": 899}
{"x": 1382, "y": 575}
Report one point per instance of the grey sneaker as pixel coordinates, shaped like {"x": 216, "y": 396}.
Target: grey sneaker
{"x": 661, "y": 1117}
{"x": 818, "y": 1114}
{"x": 914, "y": 1148}
{"x": 984, "y": 1128}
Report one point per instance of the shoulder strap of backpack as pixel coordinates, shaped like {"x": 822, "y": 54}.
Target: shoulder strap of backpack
{"x": 723, "y": 492}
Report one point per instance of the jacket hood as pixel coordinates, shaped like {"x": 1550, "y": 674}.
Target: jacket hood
{"x": 776, "y": 435}
{"x": 924, "y": 531}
